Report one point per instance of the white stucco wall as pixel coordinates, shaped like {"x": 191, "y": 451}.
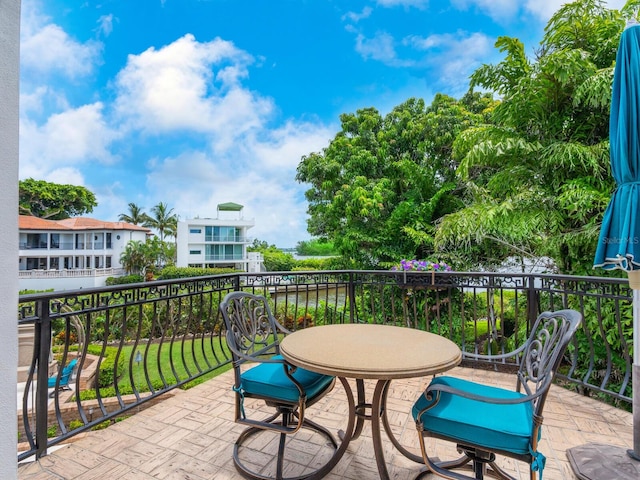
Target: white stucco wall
{"x": 9, "y": 92}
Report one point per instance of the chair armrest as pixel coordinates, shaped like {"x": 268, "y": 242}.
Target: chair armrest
{"x": 502, "y": 356}
{"x": 437, "y": 388}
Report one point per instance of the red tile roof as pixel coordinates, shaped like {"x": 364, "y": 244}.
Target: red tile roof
{"x": 27, "y": 222}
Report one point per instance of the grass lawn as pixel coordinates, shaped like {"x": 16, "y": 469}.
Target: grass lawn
{"x": 171, "y": 363}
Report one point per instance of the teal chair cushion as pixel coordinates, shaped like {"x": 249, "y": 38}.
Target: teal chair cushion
{"x": 64, "y": 378}
{"x": 269, "y": 380}
{"x": 472, "y": 422}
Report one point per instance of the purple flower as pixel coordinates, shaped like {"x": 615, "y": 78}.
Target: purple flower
{"x": 422, "y": 266}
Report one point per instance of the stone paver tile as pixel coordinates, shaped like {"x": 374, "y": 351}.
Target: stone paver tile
{"x": 109, "y": 469}
{"x": 63, "y": 467}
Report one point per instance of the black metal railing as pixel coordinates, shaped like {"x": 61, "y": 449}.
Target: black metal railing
{"x": 136, "y": 343}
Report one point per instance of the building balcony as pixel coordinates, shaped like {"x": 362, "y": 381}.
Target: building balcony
{"x": 168, "y": 432}
{"x": 191, "y": 434}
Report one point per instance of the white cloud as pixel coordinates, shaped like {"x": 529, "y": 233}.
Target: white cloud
{"x": 453, "y": 57}
{"x": 46, "y": 48}
{"x": 105, "y": 25}
{"x": 545, "y": 10}
{"x": 380, "y": 48}
{"x": 404, "y": 3}
{"x": 65, "y": 176}
{"x": 74, "y": 136}
{"x": 258, "y": 173}
{"x": 499, "y": 10}
{"x": 356, "y": 17}
{"x": 178, "y": 88}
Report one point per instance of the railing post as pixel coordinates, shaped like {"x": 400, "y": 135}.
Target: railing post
{"x": 351, "y": 295}
{"x": 42, "y": 342}
{"x": 532, "y": 302}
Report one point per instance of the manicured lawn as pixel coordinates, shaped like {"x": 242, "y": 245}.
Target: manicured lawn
{"x": 165, "y": 364}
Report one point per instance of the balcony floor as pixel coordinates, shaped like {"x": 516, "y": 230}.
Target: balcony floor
{"x": 190, "y": 435}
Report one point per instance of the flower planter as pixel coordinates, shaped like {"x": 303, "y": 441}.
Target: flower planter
{"x": 424, "y": 280}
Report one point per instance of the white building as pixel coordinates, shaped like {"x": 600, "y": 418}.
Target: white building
{"x": 72, "y": 253}
{"x": 215, "y": 242}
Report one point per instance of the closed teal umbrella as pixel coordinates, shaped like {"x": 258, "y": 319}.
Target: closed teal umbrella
{"x": 619, "y": 243}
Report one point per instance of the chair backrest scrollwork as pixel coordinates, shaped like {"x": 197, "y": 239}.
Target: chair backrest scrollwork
{"x": 252, "y": 330}
{"x": 543, "y": 352}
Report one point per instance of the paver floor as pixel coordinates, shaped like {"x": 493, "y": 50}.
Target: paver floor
{"x": 191, "y": 435}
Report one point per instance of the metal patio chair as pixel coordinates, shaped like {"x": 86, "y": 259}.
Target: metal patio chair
{"x": 253, "y": 337}
{"x": 61, "y": 380}
{"x": 485, "y": 420}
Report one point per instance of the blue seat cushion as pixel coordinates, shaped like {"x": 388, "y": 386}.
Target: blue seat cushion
{"x": 64, "y": 378}
{"x": 269, "y": 380}
{"x": 472, "y": 422}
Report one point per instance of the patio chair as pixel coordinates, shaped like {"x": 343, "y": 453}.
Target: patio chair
{"x": 486, "y": 420}
{"x": 65, "y": 377}
{"x": 253, "y": 337}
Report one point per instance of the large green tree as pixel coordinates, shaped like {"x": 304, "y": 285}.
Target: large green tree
{"x": 537, "y": 178}
{"x": 53, "y": 201}
{"x": 379, "y": 187}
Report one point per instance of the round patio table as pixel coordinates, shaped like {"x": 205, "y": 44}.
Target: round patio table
{"x": 376, "y": 352}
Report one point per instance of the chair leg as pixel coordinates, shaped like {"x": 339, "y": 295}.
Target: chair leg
{"x": 287, "y": 418}
{"x": 477, "y": 460}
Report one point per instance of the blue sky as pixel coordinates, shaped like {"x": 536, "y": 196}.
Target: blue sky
{"x": 200, "y": 102}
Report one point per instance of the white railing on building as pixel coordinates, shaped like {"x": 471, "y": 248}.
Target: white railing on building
{"x": 74, "y": 273}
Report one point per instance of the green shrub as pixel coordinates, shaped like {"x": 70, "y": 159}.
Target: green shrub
{"x": 314, "y": 264}
{"x": 277, "y": 261}
{"x": 107, "y": 366}
{"x": 172, "y": 272}
{"x": 124, "y": 280}
{"x": 75, "y": 424}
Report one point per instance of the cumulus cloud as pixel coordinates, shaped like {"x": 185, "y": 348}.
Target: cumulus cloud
{"x": 66, "y": 176}
{"x": 188, "y": 85}
{"x": 45, "y": 48}
{"x": 74, "y": 136}
{"x": 258, "y": 173}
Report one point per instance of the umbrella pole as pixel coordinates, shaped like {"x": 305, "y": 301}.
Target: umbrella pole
{"x": 635, "y": 381}
{"x": 596, "y": 461}
{"x": 634, "y": 283}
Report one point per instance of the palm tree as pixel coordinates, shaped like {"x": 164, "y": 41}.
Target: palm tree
{"x": 135, "y": 216}
{"x": 163, "y": 220}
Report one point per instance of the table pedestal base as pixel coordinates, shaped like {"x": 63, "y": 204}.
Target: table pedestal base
{"x": 359, "y": 414}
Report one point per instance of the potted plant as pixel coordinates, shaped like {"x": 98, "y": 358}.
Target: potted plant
{"x": 422, "y": 273}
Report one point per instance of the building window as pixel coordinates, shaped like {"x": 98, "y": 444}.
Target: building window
{"x": 55, "y": 240}
{"x": 107, "y": 262}
{"x": 195, "y": 252}
{"x": 223, "y": 234}
{"x": 109, "y": 245}
{"x": 37, "y": 240}
{"x": 195, "y": 230}
{"x": 223, "y": 252}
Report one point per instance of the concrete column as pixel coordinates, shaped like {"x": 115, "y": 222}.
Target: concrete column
{"x": 9, "y": 93}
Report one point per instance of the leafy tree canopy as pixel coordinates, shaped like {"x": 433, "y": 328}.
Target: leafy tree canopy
{"x": 537, "y": 176}
{"x": 379, "y": 187}
{"x": 53, "y": 201}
